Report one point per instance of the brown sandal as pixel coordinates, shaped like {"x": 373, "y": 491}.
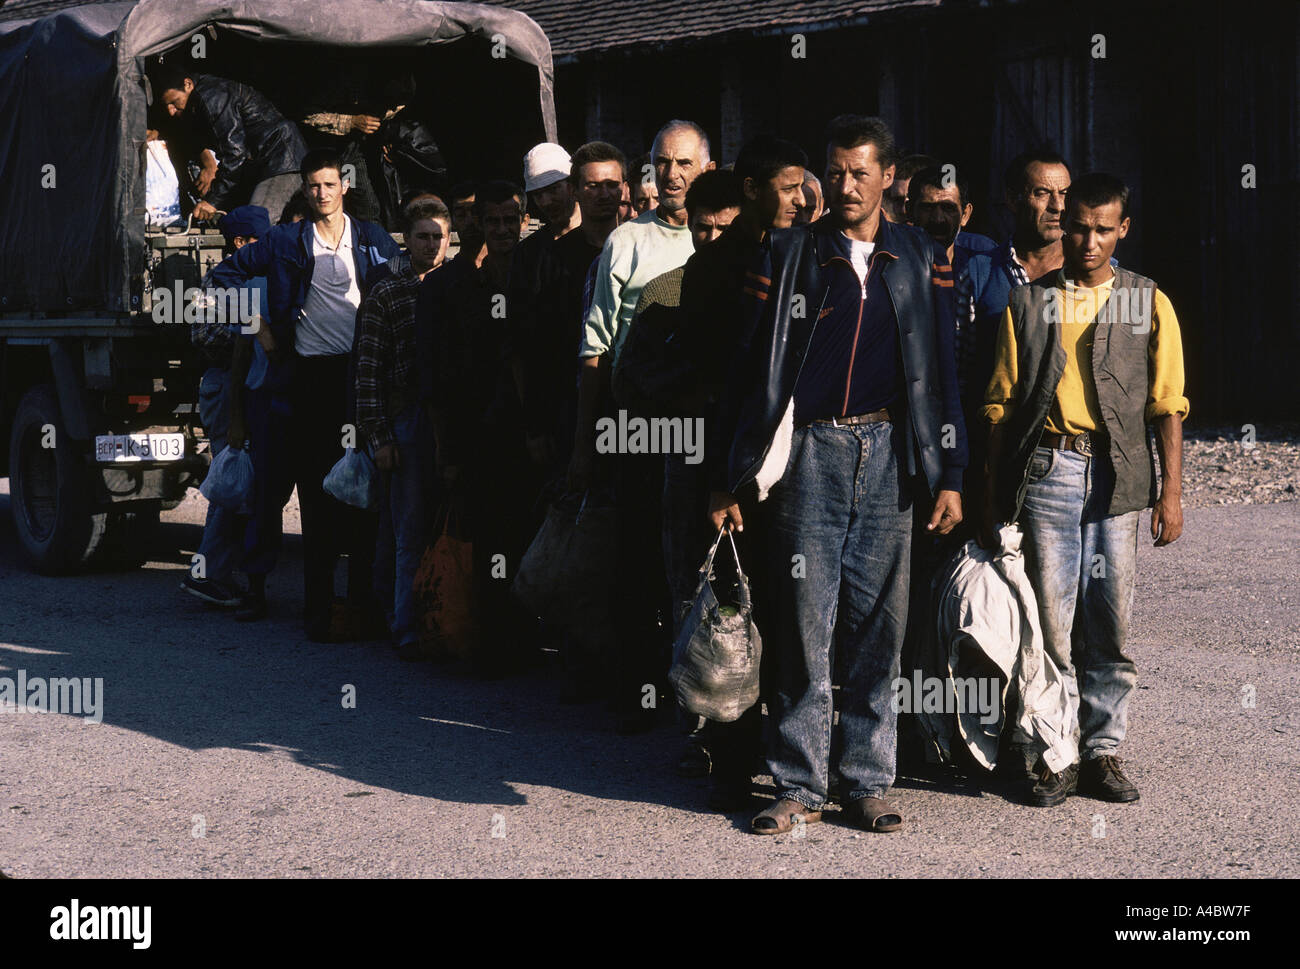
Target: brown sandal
{"x": 875, "y": 814}
{"x": 782, "y": 816}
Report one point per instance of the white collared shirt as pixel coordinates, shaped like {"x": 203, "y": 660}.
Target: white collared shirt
{"x": 329, "y": 314}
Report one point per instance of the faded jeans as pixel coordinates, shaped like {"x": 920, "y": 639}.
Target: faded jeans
{"x": 1081, "y": 563}
{"x": 403, "y": 524}
{"x": 839, "y": 543}
{"x": 223, "y": 539}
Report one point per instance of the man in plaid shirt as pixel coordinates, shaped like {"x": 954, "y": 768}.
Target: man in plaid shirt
{"x": 389, "y": 415}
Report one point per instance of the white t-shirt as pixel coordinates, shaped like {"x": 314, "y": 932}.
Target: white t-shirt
{"x": 860, "y": 256}
{"x": 329, "y": 314}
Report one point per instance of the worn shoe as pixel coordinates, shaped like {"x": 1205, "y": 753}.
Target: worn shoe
{"x": 1049, "y": 790}
{"x": 211, "y": 591}
{"x": 1103, "y": 779}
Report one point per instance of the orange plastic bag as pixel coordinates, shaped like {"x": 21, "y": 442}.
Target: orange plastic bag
{"x": 444, "y": 590}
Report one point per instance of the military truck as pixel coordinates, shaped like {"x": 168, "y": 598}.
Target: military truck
{"x": 98, "y": 416}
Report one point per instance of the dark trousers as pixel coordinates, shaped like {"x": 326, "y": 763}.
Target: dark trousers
{"x": 270, "y": 435}
{"x": 329, "y": 527}
{"x": 646, "y": 615}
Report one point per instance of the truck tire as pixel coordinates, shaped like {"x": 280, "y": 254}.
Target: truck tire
{"x": 50, "y": 489}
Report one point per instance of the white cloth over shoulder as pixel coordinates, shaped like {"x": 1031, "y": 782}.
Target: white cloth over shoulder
{"x": 987, "y": 623}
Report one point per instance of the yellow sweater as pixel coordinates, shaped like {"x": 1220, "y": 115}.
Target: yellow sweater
{"x": 1075, "y": 408}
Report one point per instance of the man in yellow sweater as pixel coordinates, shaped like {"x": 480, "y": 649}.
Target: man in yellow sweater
{"x": 1086, "y": 358}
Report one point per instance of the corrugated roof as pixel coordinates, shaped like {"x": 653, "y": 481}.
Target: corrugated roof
{"x": 577, "y": 27}
{"x": 587, "y": 27}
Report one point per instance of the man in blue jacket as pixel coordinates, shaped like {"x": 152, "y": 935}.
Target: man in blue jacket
{"x": 849, "y": 360}
{"x": 315, "y": 271}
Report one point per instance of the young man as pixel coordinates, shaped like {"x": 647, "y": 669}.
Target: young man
{"x": 316, "y": 272}
{"x": 477, "y": 422}
{"x": 774, "y": 187}
{"x": 635, "y": 253}
{"x": 222, "y": 542}
{"x": 465, "y": 224}
{"x": 391, "y": 419}
{"x": 852, "y": 352}
{"x": 258, "y": 149}
{"x": 1086, "y": 357}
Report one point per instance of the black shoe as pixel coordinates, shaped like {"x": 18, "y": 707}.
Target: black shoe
{"x": 694, "y": 760}
{"x": 252, "y": 608}
{"x": 211, "y": 591}
{"x": 1050, "y": 789}
{"x": 1103, "y": 779}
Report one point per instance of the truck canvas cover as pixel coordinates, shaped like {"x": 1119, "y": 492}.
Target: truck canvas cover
{"x": 73, "y": 117}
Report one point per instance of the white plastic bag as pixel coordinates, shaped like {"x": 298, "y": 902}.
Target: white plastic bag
{"x": 353, "y": 480}
{"x": 230, "y": 479}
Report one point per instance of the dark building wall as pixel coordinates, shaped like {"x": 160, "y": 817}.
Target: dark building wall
{"x": 1177, "y": 106}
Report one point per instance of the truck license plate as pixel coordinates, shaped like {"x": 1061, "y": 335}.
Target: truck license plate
{"x": 112, "y": 448}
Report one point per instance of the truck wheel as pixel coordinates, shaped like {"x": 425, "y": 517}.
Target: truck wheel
{"x": 49, "y": 488}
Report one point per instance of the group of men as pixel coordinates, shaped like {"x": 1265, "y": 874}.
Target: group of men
{"x": 837, "y": 358}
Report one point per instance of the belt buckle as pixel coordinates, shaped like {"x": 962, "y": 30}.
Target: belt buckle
{"x": 1082, "y": 444}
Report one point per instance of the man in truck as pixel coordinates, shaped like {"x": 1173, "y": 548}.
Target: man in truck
{"x": 257, "y": 148}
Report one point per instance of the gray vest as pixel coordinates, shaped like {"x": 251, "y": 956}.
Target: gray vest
{"x": 1119, "y": 369}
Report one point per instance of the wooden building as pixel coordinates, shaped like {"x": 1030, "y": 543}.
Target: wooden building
{"x": 1178, "y": 99}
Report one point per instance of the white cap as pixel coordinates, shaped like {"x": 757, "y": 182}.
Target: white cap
{"x": 545, "y": 164}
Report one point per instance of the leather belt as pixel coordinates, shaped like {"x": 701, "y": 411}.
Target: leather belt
{"x": 875, "y": 417}
{"x": 1088, "y": 443}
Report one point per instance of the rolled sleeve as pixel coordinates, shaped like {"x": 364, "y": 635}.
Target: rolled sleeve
{"x": 999, "y": 397}
{"x": 1165, "y": 363}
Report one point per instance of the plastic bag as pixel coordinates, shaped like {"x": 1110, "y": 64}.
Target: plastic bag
{"x": 230, "y": 479}
{"x": 717, "y": 653}
{"x": 444, "y": 591}
{"x": 567, "y": 575}
{"x": 353, "y": 480}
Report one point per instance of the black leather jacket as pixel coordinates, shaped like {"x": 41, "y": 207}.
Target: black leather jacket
{"x": 251, "y": 139}
{"x": 792, "y": 263}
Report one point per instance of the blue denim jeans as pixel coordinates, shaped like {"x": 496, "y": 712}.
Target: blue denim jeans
{"x": 840, "y": 545}
{"x": 403, "y": 524}
{"x": 223, "y": 539}
{"x": 1081, "y": 563}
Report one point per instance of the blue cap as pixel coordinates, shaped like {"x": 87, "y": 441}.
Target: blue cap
{"x": 247, "y": 220}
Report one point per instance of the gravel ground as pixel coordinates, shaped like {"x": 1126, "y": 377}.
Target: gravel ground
{"x": 1221, "y": 466}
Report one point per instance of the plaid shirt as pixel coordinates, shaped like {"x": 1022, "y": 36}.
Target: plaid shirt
{"x": 386, "y": 378}
{"x": 965, "y": 297}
